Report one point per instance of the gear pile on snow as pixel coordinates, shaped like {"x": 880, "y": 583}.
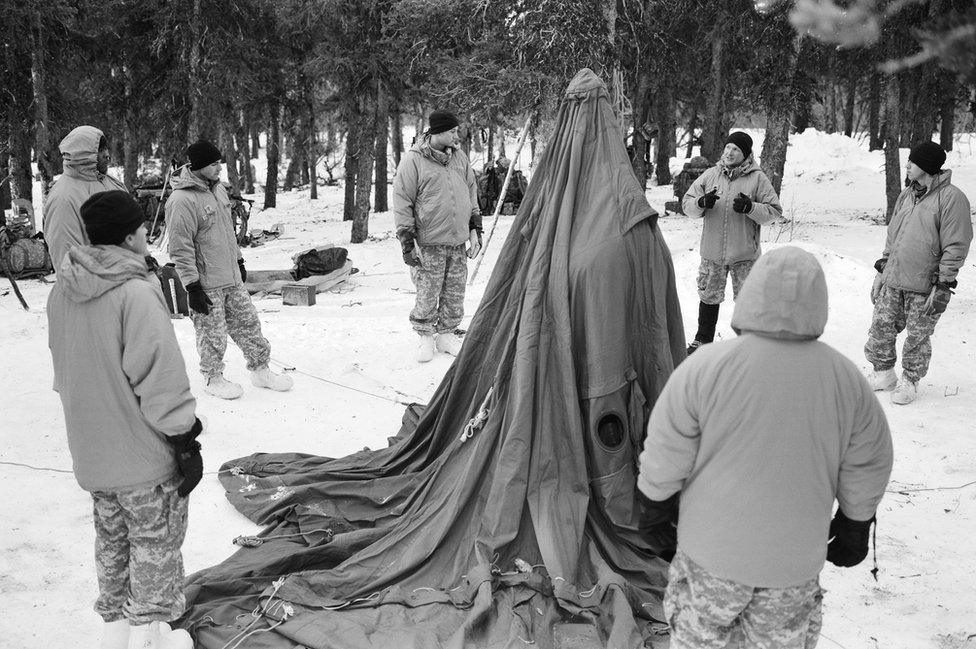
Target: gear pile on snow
{"x": 504, "y": 512}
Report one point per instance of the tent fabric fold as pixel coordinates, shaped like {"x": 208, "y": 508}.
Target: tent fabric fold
{"x": 505, "y": 514}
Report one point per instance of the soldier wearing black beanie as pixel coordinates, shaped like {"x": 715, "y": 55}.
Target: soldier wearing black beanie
{"x": 110, "y": 217}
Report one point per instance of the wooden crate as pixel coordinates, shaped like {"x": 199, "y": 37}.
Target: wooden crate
{"x": 298, "y": 294}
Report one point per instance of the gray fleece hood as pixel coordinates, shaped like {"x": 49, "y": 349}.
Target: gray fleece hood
{"x": 785, "y": 296}
{"x": 88, "y": 272}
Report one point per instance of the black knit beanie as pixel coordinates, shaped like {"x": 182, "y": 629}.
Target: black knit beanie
{"x": 110, "y": 217}
{"x": 928, "y": 156}
{"x": 741, "y": 140}
{"x": 441, "y": 121}
{"x": 202, "y": 154}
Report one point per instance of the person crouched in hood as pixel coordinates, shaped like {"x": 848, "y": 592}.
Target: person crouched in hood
{"x": 203, "y": 245}
{"x": 85, "y": 155}
{"x": 928, "y": 239}
{"x": 131, "y": 421}
{"x": 759, "y": 435}
{"x": 734, "y": 198}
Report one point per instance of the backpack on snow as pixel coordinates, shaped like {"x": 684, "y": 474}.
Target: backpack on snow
{"x": 319, "y": 262}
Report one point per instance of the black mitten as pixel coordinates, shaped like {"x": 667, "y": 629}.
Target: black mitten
{"x": 742, "y": 204}
{"x": 197, "y": 298}
{"x": 708, "y": 200}
{"x": 406, "y": 238}
{"x": 188, "y": 458}
{"x": 658, "y": 523}
{"x": 240, "y": 264}
{"x": 848, "y": 540}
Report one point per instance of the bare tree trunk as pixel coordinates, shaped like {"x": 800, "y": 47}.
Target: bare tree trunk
{"x": 312, "y": 148}
{"x": 294, "y": 162}
{"x": 42, "y": 139}
{"x": 490, "y": 145}
{"x": 692, "y": 125}
{"x": 351, "y": 164}
{"x": 364, "y": 172}
{"x": 4, "y": 163}
{"x": 779, "y": 110}
{"x": 666, "y": 126}
{"x": 240, "y": 140}
{"x": 892, "y": 133}
{"x": 875, "y": 139}
{"x": 274, "y": 155}
{"x": 712, "y": 133}
{"x": 640, "y": 102}
{"x": 947, "y": 110}
{"x": 850, "y": 96}
{"x": 907, "y": 104}
{"x": 193, "y": 86}
{"x": 382, "y": 142}
{"x": 397, "y": 133}
{"x": 254, "y": 132}
{"x": 18, "y": 104}
{"x": 130, "y": 148}
{"x": 229, "y": 149}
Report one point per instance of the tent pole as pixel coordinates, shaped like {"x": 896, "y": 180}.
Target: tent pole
{"x": 501, "y": 198}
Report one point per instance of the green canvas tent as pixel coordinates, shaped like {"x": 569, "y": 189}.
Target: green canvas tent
{"x": 504, "y": 513}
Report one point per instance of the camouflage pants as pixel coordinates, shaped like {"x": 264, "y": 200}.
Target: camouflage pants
{"x": 440, "y": 281}
{"x": 232, "y": 312}
{"x": 712, "y": 279}
{"x": 706, "y": 612}
{"x": 138, "y": 535}
{"x": 896, "y": 311}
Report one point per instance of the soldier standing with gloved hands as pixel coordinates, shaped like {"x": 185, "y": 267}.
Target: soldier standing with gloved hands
{"x": 203, "y": 244}
{"x": 435, "y": 203}
{"x": 735, "y": 198}
{"x": 760, "y": 435}
{"x": 130, "y": 419}
{"x": 928, "y": 239}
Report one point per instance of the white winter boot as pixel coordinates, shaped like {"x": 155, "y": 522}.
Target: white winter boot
{"x": 448, "y": 343}
{"x": 265, "y": 378}
{"x": 221, "y": 388}
{"x": 905, "y": 392}
{"x": 425, "y": 349}
{"x": 158, "y": 635}
{"x": 882, "y": 380}
{"x": 115, "y": 635}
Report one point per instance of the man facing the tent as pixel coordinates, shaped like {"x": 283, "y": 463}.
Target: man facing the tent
{"x": 204, "y": 247}
{"x": 85, "y": 154}
{"x": 735, "y": 198}
{"x": 435, "y": 203}
{"x": 759, "y": 435}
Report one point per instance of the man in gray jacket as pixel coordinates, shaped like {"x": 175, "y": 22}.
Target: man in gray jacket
{"x": 130, "y": 420}
{"x": 85, "y": 155}
{"x": 734, "y": 197}
{"x": 435, "y": 204}
{"x": 203, "y": 244}
{"x": 928, "y": 239}
{"x": 760, "y": 435}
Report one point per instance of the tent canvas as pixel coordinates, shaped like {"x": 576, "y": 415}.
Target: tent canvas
{"x": 504, "y": 514}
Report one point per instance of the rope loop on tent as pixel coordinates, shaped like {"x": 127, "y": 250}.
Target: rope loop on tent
{"x": 477, "y": 422}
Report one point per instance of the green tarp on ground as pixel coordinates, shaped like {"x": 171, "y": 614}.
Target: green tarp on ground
{"x": 521, "y": 528}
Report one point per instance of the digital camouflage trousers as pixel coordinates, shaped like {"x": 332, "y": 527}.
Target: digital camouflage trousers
{"x": 232, "y": 313}
{"x": 706, "y": 612}
{"x": 440, "y": 281}
{"x": 138, "y": 534}
{"x": 712, "y": 278}
{"x": 895, "y": 311}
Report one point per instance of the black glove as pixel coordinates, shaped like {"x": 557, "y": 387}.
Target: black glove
{"x": 197, "y": 298}
{"x": 708, "y": 200}
{"x": 938, "y": 298}
{"x": 152, "y": 264}
{"x": 240, "y": 264}
{"x": 474, "y": 223}
{"x": 742, "y": 204}
{"x": 848, "y": 540}
{"x": 658, "y": 523}
{"x": 880, "y": 264}
{"x": 406, "y": 238}
{"x": 188, "y": 458}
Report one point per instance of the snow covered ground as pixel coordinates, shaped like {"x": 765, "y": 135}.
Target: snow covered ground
{"x": 353, "y": 359}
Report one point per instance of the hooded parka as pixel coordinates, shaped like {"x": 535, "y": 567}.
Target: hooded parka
{"x": 63, "y": 227}
{"x": 117, "y": 368}
{"x": 728, "y": 236}
{"x": 928, "y": 237}
{"x": 760, "y": 434}
{"x": 202, "y": 241}
{"x": 435, "y": 200}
